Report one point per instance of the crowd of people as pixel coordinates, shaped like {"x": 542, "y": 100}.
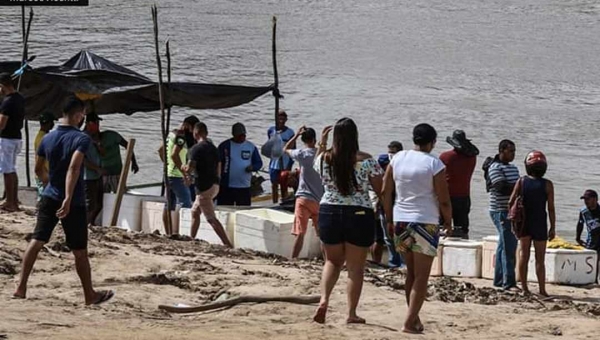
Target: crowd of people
{"x": 403, "y": 200}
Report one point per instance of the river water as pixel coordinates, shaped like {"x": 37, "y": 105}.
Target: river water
{"x": 525, "y": 70}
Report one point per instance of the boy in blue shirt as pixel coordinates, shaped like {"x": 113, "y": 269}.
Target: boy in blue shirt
{"x": 63, "y": 199}
{"x": 284, "y": 163}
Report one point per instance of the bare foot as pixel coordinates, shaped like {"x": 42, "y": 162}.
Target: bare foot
{"x": 19, "y": 295}
{"x": 10, "y": 208}
{"x": 411, "y": 330}
{"x": 419, "y": 325}
{"x": 355, "y": 319}
{"x": 544, "y": 293}
{"x": 101, "y": 297}
{"x": 320, "y": 314}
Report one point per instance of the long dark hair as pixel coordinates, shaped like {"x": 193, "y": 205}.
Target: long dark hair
{"x": 342, "y": 156}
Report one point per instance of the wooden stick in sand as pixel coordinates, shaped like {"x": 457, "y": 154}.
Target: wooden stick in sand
{"x": 162, "y": 187}
{"x": 23, "y": 61}
{"x": 122, "y": 182}
{"x": 302, "y": 300}
{"x": 163, "y": 123}
{"x": 275, "y": 74}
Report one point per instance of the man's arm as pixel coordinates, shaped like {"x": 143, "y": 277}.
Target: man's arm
{"x": 71, "y": 182}
{"x": 291, "y": 144}
{"x": 257, "y": 162}
{"x": 40, "y": 169}
{"x": 579, "y": 230}
{"x": 175, "y": 157}
{"x": 551, "y": 210}
{"x": 3, "y": 121}
{"x": 499, "y": 182}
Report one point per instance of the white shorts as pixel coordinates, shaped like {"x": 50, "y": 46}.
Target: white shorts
{"x": 9, "y": 149}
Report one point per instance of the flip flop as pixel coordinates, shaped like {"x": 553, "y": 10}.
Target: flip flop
{"x": 106, "y": 295}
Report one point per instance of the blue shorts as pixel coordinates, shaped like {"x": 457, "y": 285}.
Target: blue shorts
{"x": 180, "y": 193}
{"x": 274, "y": 174}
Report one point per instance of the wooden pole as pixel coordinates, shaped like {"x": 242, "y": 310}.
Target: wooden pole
{"x": 122, "y": 183}
{"x": 23, "y": 61}
{"x": 168, "y": 88}
{"x": 302, "y": 300}
{"x": 275, "y": 74}
{"x": 162, "y": 189}
{"x": 169, "y": 226}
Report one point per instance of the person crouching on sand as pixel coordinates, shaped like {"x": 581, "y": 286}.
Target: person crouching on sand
{"x": 537, "y": 194}
{"x": 346, "y": 217}
{"x": 419, "y": 179}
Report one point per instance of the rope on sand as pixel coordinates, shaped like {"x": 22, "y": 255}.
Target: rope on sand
{"x": 302, "y": 300}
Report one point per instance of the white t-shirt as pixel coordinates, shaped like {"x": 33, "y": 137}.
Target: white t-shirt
{"x": 416, "y": 200}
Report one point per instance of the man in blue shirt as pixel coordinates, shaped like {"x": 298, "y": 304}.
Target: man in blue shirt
{"x": 284, "y": 163}
{"x": 238, "y": 158}
{"x": 63, "y": 199}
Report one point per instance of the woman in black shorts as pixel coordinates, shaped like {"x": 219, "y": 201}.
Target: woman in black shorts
{"x": 537, "y": 193}
{"x": 346, "y": 217}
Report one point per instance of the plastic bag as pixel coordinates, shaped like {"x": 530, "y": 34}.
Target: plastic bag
{"x": 273, "y": 148}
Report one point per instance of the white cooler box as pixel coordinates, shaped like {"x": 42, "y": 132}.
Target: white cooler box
{"x": 438, "y": 261}
{"x": 488, "y": 260}
{"x": 206, "y": 231}
{"x": 566, "y": 266}
{"x": 130, "y": 213}
{"x": 271, "y": 231}
{"x": 462, "y": 258}
{"x": 152, "y": 214}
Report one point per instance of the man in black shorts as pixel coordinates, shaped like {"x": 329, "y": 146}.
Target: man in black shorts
{"x": 63, "y": 199}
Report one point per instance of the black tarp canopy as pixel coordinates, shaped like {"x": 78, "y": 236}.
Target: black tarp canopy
{"x": 111, "y": 88}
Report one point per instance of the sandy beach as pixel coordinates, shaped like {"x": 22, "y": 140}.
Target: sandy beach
{"x": 147, "y": 270}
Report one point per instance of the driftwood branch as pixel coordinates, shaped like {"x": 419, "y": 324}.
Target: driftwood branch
{"x": 302, "y": 300}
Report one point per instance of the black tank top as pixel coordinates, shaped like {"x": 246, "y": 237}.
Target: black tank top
{"x": 535, "y": 199}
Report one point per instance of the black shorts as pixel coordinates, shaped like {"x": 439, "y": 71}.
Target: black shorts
{"x": 94, "y": 194}
{"x": 234, "y": 196}
{"x": 351, "y": 224}
{"x": 74, "y": 225}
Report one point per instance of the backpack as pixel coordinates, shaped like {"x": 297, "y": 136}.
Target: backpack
{"x": 516, "y": 212}
{"x": 486, "y": 168}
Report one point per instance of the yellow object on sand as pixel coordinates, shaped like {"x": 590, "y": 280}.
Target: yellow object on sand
{"x": 559, "y": 243}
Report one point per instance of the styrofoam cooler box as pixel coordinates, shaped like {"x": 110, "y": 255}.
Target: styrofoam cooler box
{"x": 206, "y": 231}
{"x": 152, "y": 217}
{"x": 488, "y": 258}
{"x": 566, "y": 266}
{"x": 462, "y": 258}
{"x": 438, "y": 264}
{"x": 130, "y": 213}
{"x": 271, "y": 231}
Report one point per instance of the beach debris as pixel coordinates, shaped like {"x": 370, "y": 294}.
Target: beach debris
{"x": 7, "y": 267}
{"x": 556, "y": 331}
{"x": 303, "y": 300}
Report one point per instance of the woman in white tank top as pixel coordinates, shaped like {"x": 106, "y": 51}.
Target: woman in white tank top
{"x": 419, "y": 181}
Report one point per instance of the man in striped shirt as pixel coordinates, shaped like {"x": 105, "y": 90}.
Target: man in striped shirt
{"x": 503, "y": 176}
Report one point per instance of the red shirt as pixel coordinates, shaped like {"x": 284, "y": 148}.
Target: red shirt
{"x": 459, "y": 170}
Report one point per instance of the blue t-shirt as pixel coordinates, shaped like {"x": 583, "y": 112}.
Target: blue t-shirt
{"x": 285, "y": 135}
{"x": 58, "y": 148}
{"x": 235, "y": 158}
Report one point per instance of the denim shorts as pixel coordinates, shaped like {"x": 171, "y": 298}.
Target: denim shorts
{"x": 180, "y": 193}
{"x": 342, "y": 223}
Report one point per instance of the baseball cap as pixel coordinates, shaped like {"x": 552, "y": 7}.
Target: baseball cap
{"x": 92, "y": 117}
{"x": 589, "y": 193}
{"x": 47, "y": 117}
{"x": 238, "y": 129}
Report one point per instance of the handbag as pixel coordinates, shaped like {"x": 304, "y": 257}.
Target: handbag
{"x": 516, "y": 213}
